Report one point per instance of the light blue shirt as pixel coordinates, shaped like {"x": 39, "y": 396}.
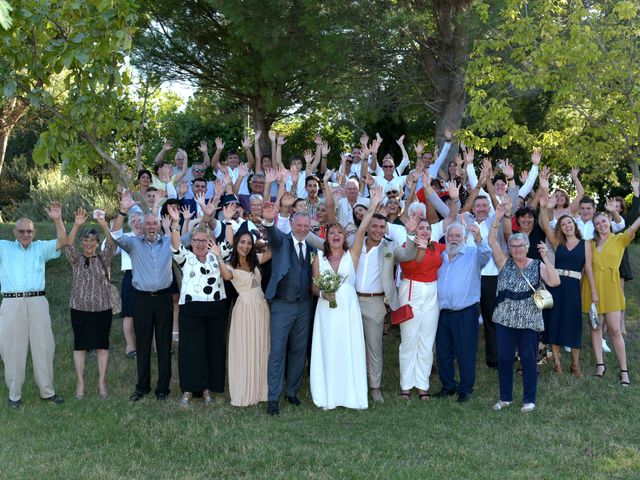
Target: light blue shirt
{"x": 22, "y": 270}
{"x": 459, "y": 280}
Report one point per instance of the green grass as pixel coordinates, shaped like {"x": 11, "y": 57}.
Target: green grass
{"x": 586, "y": 428}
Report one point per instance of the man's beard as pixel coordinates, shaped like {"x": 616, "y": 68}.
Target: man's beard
{"x": 453, "y": 249}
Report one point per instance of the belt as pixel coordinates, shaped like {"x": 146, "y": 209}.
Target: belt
{"x": 570, "y": 273}
{"x": 155, "y": 293}
{"x": 369, "y": 295}
{"x": 23, "y": 294}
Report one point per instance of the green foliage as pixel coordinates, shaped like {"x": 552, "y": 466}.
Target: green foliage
{"x": 65, "y": 59}
{"x": 5, "y": 14}
{"x": 72, "y": 191}
{"x": 581, "y": 61}
{"x": 16, "y": 181}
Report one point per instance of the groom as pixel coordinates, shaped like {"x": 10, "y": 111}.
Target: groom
{"x": 289, "y": 296}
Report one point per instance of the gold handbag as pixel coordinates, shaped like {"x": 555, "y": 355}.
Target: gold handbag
{"x": 541, "y": 297}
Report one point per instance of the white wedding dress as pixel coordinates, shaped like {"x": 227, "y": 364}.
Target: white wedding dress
{"x": 338, "y": 358}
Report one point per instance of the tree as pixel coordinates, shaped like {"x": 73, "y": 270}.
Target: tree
{"x": 582, "y": 58}
{"x": 277, "y": 57}
{"x": 65, "y": 60}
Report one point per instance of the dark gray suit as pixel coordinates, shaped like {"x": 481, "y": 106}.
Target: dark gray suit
{"x": 289, "y": 296}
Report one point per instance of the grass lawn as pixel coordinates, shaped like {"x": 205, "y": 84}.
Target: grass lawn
{"x": 587, "y": 428}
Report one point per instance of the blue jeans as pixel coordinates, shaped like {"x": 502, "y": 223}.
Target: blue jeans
{"x": 527, "y": 342}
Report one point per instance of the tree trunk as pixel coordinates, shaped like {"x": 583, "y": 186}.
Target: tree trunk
{"x": 11, "y": 112}
{"x": 262, "y": 122}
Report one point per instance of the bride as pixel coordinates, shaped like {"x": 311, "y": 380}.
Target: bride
{"x": 338, "y": 359}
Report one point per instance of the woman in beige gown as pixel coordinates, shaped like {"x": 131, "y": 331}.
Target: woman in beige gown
{"x": 249, "y": 333}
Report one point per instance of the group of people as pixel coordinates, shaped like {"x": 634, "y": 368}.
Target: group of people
{"x": 237, "y": 271}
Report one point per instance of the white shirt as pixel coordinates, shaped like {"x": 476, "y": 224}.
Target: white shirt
{"x": 344, "y": 210}
{"x": 368, "y": 274}
{"x": 490, "y": 268}
{"x": 125, "y": 259}
{"x": 301, "y": 191}
{"x": 587, "y": 228}
{"x": 296, "y": 245}
{"x": 201, "y": 282}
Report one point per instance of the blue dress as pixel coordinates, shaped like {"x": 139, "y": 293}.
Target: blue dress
{"x": 563, "y": 323}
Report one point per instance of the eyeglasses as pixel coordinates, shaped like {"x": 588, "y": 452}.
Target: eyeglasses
{"x": 387, "y": 166}
{"x": 26, "y": 232}
{"x": 349, "y": 162}
{"x": 199, "y": 170}
{"x": 517, "y": 247}
{"x": 392, "y": 192}
{"x": 199, "y": 240}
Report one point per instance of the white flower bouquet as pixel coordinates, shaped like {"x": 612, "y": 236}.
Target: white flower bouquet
{"x": 329, "y": 282}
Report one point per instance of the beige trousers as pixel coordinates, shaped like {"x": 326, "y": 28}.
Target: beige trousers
{"x": 24, "y": 323}
{"x": 373, "y": 312}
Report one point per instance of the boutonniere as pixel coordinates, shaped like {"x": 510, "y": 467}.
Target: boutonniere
{"x": 387, "y": 253}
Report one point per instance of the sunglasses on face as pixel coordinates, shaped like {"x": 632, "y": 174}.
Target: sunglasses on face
{"x": 26, "y": 232}
{"x": 349, "y": 162}
{"x": 199, "y": 170}
{"x": 387, "y": 166}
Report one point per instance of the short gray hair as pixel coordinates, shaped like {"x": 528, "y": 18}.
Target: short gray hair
{"x": 133, "y": 217}
{"x": 459, "y": 226}
{"x": 257, "y": 197}
{"x": 519, "y": 236}
{"x": 417, "y": 206}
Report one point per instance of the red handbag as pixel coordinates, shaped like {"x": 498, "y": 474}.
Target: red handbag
{"x": 403, "y": 313}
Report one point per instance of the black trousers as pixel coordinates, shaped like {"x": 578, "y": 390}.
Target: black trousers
{"x": 203, "y": 346}
{"x": 488, "y": 291}
{"x": 153, "y": 312}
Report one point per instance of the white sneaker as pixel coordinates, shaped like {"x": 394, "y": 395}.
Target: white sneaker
{"x": 500, "y": 405}
{"x": 567, "y": 349}
{"x": 528, "y": 407}
{"x": 605, "y": 347}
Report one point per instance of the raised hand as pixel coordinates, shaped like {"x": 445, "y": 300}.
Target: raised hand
{"x": 186, "y": 213}
{"x": 270, "y": 175}
{"x": 376, "y": 195}
{"x": 364, "y": 139}
{"x": 327, "y": 175}
{"x": 257, "y": 135}
{"x": 209, "y": 208}
{"x": 243, "y": 170}
{"x": 308, "y": 156}
{"x": 282, "y": 174}
{"x": 54, "y": 211}
{"x": 400, "y": 141}
{"x": 287, "y": 201}
{"x": 126, "y": 202}
{"x": 610, "y": 205}
{"x": 166, "y": 146}
{"x": 183, "y": 188}
{"x": 229, "y": 210}
{"x": 272, "y": 136}
{"x": 173, "y": 213}
{"x": 214, "y": 248}
{"x": 475, "y": 231}
{"x": 204, "y": 148}
{"x": 246, "y": 143}
{"x": 419, "y": 148}
{"x": 219, "y": 143}
{"x": 507, "y": 169}
{"x": 421, "y": 243}
{"x": 375, "y": 145}
{"x": 542, "y": 249}
{"x": 268, "y": 211}
{"x": 469, "y": 154}
{"x": 281, "y": 140}
{"x": 501, "y": 210}
{"x": 164, "y": 174}
{"x": 552, "y": 202}
{"x": 544, "y": 198}
{"x": 200, "y": 199}
{"x": 454, "y": 190}
{"x": 448, "y": 133}
{"x": 325, "y": 149}
{"x": 160, "y": 194}
{"x": 317, "y": 139}
{"x": 81, "y": 216}
{"x": 523, "y": 176}
{"x": 545, "y": 174}
{"x": 575, "y": 171}
{"x": 365, "y": 151}
{"x": 379, "y": 139}
{"x": 536, "y": 156}
{"x": 412, "y": 222}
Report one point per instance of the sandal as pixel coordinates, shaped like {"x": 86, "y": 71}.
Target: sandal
{"x": 604, "y": 369}
{"x": 623, "y": 383}
{"x": 575, "y": 369}
{"x": 405, "y": 395}
{"x": 557, "y": 368}
{"x": 424, "y": 396}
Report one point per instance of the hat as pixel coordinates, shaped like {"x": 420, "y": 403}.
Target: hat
{"x": 227, "y": 199}
{"x": 244, "y": 227}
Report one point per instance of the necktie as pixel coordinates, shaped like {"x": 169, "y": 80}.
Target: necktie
{"x": 300, "y": 252}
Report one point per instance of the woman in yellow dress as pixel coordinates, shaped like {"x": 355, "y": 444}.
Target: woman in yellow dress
{"x": 608, "y": 249}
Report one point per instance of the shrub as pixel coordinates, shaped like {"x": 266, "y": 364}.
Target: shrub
{"x": 72, "y": 191}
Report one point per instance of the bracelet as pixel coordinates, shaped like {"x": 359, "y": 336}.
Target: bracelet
{"x": 175, "y": 229}
{"x": 120, "y": 212}
{"x": 228, "y": 224}
{"x": 495, "y": 226}
{"x": 508, "y": 216}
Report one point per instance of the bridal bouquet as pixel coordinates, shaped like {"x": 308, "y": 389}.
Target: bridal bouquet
{"x": 329, "y": 282}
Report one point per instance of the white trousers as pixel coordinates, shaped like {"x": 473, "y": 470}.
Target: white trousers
{"x": 418, "y": 334}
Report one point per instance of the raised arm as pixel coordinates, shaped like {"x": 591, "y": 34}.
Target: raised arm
{"x": 174, "y": 228}
{"x": 274, "y": 150}
{"x": 80, "y": 218}
{"x": 433, "y": 169}
{"x": 548, "y": 272}
{"x": 356, "y": 248}
{"x": 246, "y": 146}
{"x": 215, "y": 161}
{"x": 256, "y": 147}
{"x": 575, "y": 204}
{"x": 527, "y": 185}
{"x": 225, "y": 271}
{"x": 163, "y": 152}
{"x": 243, "y": 171}
{"x": 54, "y": 212}
{"x": 498, "y": 255}
{"x": 328, "y": 197}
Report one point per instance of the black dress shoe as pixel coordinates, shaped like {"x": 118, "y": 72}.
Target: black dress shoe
{"x": 273, "y": 408}
{"x": 137, "y": 395}
{"x": 15, "y": 403}
{"x": 492, "y": 365}
{"x": 57, "y": 399}
{"x": 162, "y": 397}
{"x": 444, "y": 393}
{"x": 293, "y": 400}
{"x": 464, "y": 397}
